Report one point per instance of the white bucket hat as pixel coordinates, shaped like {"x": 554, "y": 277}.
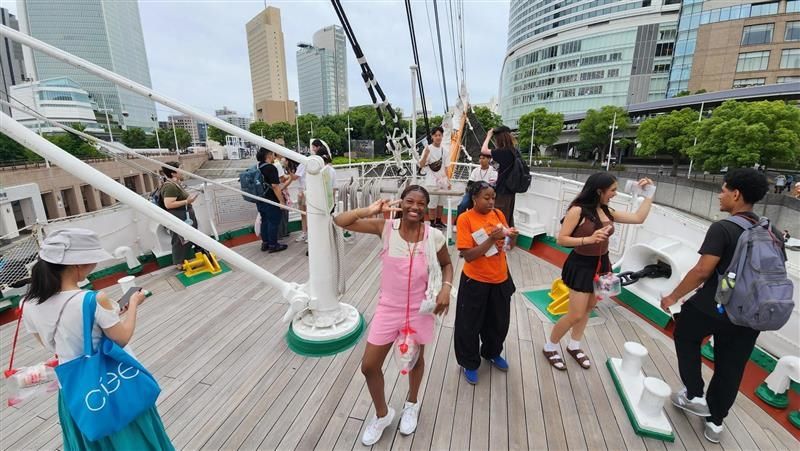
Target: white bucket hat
{"x": 73, "y": 247}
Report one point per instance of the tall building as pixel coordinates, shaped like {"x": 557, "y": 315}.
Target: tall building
{"x": 104, "y": 32}
{"x": 12, "y": 65}
{"x": 268, "y": 67}
{"x": 232, "y": 117}
{"x": 59, "y": 99}
{"x": 187, "y": 123}
{"x": 571, "y": 56}
{"x": 735, "y": 44}
{"x": 322, "y": 73}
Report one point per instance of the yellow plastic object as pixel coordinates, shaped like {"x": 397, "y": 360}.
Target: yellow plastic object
{"x": 559, "y": 293}
{"x": 202, "y": 263}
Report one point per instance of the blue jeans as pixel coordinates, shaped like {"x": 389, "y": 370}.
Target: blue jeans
{"x": 270, "y": 221}
{"x": 463, "y": 206}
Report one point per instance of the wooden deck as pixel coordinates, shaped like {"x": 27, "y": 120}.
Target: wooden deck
{"x": 229, "y": 382}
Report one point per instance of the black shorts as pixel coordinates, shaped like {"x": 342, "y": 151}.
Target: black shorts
{"x": 579, "y": 270}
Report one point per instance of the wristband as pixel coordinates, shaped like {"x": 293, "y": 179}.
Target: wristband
{"x": 448, "y": 283}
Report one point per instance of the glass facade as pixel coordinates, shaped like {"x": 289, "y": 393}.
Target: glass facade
{"x": 575, "y": 71}
{"x": 790, "y": 59}
{"x": 108, "y": 34}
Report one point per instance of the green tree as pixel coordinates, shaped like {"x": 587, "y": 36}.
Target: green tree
{"x": 433, "y": 121}
{"x": 260, "y": 128}
{"x": 595, "y": 129}
{"x": 487, "y": 118}
{"x": 11, "y": 150}
{"x": 330, "y": 137}
{"x": 669, "y": 134}
{"x": 548, "y": 129}
{"x": 740, "y": 134}
{"x": 683, "y": 93}
{"x": 215, "y": 134}
{"x": 74, "y": 144}
{"x": 134, "y": 138}
{"x": 284, "y": 131}
{"x": 164, "y": 135}
{"x": 183, "y": 137}
{"x": 304, "y": 123}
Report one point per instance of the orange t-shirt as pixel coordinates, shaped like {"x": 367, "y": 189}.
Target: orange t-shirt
{"x": 492, "y": 269}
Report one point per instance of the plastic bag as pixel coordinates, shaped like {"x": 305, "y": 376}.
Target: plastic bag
{"x": 406, "y": 351}
{"x": 257, "y": 225}
{"x": 607, "y": 285}
{"x": 32, "y": 381}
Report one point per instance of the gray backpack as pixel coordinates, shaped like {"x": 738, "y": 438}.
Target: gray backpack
{"x": 755, "y": 290}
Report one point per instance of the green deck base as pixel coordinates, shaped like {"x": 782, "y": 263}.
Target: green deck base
{"x": 794, "y": 418}
{"x": 707, "y": 351}
{"x": 777, "y": 400}
{"x": 10, "y": 302}
{"x": 164, "y": 261}
{"x": 541, "y": 300}
{"x": 524, "y": 242}
{"x": 648, "y": 310}
{"x": 322, "y": 348}
{"x": 136, "y": 270}
{"x": 629, "y": 410}
{"x": 766, "y": 361}
{"x": 188, "y": 281}
{"x": 551, "y": 241}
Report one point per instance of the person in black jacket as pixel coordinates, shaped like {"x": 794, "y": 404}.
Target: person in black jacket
{"x": 270, "y": 214}
{"x": 503, "y": 154}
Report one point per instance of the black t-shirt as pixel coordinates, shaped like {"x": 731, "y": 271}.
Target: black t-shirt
{"x": 270, "y": 174}
{"x": 505, "y": 160}
{"x": 720, "y": 241}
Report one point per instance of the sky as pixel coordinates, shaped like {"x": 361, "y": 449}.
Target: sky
{"x": 197, "y": 49}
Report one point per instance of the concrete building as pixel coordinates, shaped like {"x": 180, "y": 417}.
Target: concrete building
{"x": 59, "y": 99}
{"x": 12, "y": 64}
{"x": 268, "y": 67}
{"x": 322, "y": 73}
{"x": 106, "y": 33}
{"x": 571, "y": 56}
{"x": 734, "y": 44}
{"x": 232, "y": 117}
{"x": 187, "y": 123}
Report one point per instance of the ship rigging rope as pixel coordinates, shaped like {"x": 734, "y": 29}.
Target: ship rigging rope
{"x": 413, "y": 36}
{"x": 397, "y": 140}
{"x": 450, "y": 26}
{"x": 125, "y": 149}
{"x": 436, "y": 57}
{"x": 441, "y": 55}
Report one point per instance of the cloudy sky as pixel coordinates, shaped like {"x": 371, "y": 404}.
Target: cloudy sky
{"x": 197, "y": 49}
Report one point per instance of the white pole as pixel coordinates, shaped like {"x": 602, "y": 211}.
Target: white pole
{"x": 297, "y": 129}
{"x": 97, "y": 179}
{"x": 108, "y": 123}
{"x": 349, "y": 145}
{"x": 175, "y": 136}
{"x": 611, "y": 142}
{"x": 699, "y": 118}
{"x": 131, "y": 85}
{"x": 414, "y": 123}
{"x": 530, "y": 152}
{"x": 158, "y": 140}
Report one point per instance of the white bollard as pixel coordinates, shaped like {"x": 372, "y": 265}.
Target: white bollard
{"x": 654, "y": 394}
{"x": 126, "y": 283}
{"x": 632, "y": 357}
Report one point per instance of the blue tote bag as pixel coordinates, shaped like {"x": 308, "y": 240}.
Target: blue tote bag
{"x": 105, "y": 390}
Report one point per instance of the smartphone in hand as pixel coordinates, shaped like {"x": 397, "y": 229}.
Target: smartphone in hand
{"x": 126, "y": 298}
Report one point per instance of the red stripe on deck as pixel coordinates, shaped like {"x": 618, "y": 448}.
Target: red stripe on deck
{"x": 754, "y": 375}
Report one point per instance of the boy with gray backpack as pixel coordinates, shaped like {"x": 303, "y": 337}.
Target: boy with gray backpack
{"x": 745, "y": 290}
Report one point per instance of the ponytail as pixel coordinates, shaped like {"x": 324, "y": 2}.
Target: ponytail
{"x": 45, "y": 281}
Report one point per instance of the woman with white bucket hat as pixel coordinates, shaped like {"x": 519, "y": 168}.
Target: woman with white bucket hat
{"x": 53, "y": 312}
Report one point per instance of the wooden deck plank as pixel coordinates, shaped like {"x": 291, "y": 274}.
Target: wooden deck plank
{"x": 348, "y": 436}
{"x": 433, "y": 392}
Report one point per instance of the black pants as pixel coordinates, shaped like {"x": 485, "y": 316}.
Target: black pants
{"x": 732, "y": 347}
{"x": 482, "y": 316}
{"x": 505, "y": 203}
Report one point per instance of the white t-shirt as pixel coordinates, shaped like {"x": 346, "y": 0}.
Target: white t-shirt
{"x": 67, "y": 341}
{"x": 301, "y": 173}
{"x": 398, "y": 247}
{"x": 332, "y": 172}
{"x": 281, "y": 171}
{"x": 489, "y": 175}
{"x": 436, "y": 178}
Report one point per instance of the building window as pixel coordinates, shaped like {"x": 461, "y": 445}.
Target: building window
{"x": 567, "y": 78}
{"x": 613, "y": 73}
{"x": 757, "y": 34}
{"x": 593, "y": 75}
{"x": 615, "y": 56}
{"x": 570, "y": 47}
{"x": 661, "y": 68}
{"x": 667, "y": 35}
{"x": 665, "y": 49}
{"x": 790, "y": 59}
{"x": 590, "y": 90}
{"x": 788, "y": 79}
{"x": 764, "y": 9}
{"x": 793, "y": 6}
{"x": 792, "y": 31}
{"x": 568, "y": 64}
{"x": 747, "y": 82}
{"x": 752, "y": 61}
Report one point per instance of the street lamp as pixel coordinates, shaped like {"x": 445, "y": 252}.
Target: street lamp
{"x": 349, "y": 147}
{"x": 158, "y": 140}
{"x": 108, "y": 121}
{"x": 613, "y": 127}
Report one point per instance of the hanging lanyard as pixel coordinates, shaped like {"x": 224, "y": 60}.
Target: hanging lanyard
{"x": 412, "y": 252}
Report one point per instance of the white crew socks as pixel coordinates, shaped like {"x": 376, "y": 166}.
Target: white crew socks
{"x": 574, "y": 345}
{"x": 551, "y": 347}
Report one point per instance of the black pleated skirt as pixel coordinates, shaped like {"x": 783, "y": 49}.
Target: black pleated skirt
{"x": 579, "y": 270}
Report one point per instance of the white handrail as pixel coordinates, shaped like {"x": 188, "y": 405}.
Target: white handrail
{"x": 101, "y": 72}
{"x": 97, "y": 179}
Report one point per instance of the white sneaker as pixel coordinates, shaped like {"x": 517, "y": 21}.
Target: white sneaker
{"x": 696, "y": 406}
{"x": 303, "y": 237}
{"x": 408, "y": 422}
{"x": 712, "y": 432}
{"x": 375, "y": 427}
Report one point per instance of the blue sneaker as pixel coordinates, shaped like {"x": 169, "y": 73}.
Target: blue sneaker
{"x": 471, "y": 376}
{"x": 500, "y": 363}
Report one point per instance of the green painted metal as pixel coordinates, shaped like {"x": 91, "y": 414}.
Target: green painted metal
{"x": 794, "y": 418}
{"x": 541, "y": 300}
{"x": 763, "y": 359}
{"x": 188, "y": 281}
{"x": 551, "y": 241}
{"x": 629, "y": 410}
{"x": 164, "y": 261}
{"x": 777, "y": 400}
{"x": 524, "y": 242}
{"x": 136, "y": 270}
{"x": 648, "y": 310}
{"x": 324, "y": 348}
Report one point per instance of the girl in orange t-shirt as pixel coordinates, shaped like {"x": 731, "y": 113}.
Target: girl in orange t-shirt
{"x": 484, "y": 295}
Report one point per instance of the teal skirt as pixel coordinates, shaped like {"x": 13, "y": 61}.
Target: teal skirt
{"x": 145, "y": 433}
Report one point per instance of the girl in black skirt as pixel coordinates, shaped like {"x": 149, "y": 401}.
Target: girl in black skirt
{"x": 586, "y": 228}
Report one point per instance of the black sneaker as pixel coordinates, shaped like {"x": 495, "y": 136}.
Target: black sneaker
{"x": 264, "y": 246}
{"x": 277, "y": 248}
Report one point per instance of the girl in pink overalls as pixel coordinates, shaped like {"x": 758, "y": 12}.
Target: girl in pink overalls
{"x": 404, "y": 280}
